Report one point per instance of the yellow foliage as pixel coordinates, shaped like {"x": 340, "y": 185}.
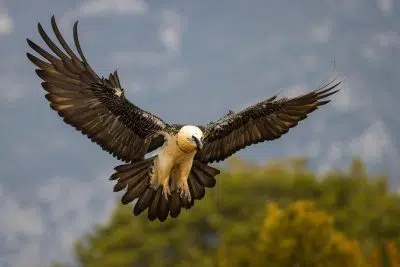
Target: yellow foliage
{"x": 389, "y": 249}
{"x": 393, "y": 254}
{"x": 300, "y": 236}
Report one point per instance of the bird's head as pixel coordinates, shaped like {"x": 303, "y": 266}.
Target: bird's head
{"x": 190, "y": 138}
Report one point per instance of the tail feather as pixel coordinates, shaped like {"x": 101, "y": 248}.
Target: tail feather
{"x": 144, "y": 201}
{"x": 175, "y": 205}
{"x": 127, "y": 176}
{"x": 130, "y": 166}
{"x": 131, "y": 175}
{"x": 163, "y": 208}
{"x": 135, "y": 177}
{"x": 196, "y": 190}
{"x": 153, "y": 208}
{"x": 203, "y": 179}
{"x": 186, "y": 203}
{"x": 134, "y": 192}
{"x": 130, "y": 181}
{"x": 204, "y": 174}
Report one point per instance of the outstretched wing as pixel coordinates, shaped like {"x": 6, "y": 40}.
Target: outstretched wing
{"x": 267, "y": 120}
{"x": 95, "y": 106}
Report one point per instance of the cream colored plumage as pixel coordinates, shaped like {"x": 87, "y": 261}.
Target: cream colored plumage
{"x": 175, "y": 159}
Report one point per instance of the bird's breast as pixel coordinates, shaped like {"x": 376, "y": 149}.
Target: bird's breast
{"x": 176, "y": 154}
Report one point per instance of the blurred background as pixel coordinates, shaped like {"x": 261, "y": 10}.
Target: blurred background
{"x": 336, "y": 180}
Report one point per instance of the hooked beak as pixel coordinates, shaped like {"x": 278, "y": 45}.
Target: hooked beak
{"x": 199, "y": 144}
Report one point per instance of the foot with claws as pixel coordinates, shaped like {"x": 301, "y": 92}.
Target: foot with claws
{"x": 184, "y": 191}
{"x": 166, "y": 189}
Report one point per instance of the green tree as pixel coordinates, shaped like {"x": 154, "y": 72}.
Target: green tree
{"x": 224, "y": 214}
{"x": 229, "y": 217}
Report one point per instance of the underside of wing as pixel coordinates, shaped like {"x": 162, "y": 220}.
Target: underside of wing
{"x": 267, "y": 120}
{"x": 95, "y": 106}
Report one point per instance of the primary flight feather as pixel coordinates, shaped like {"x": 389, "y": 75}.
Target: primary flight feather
{"x": 179, "y": 173}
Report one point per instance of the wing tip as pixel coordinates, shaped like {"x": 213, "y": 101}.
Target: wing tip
{"x": 30, "y": 42}
{"x": 41, "y": 74}
{"x": 76, "y": 25}
{"x": 323, "y": 102}
{"x": 328, "y": 92}
{"x": 29, "y": 56}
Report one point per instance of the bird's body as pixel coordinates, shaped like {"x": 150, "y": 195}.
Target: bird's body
{"x": 174, "y": 161}
{"x": 179, "y": 172}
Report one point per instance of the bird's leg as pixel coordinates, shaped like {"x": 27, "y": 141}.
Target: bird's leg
{"x": 183, "y": 187}
{"x": 162, "y": 177}
{"x": 184, "y": 190}
{"x": 165, "y": 185}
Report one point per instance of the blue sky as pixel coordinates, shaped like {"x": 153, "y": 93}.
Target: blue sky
{"x": 188, "y": 62}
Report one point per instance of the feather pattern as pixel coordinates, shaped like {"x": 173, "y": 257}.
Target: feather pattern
{"x": 135, "y": 178}
{"x": 267, "y": 120}
{"x": 95, "y": 106}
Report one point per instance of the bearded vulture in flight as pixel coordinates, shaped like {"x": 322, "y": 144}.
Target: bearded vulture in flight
{"x": 179, "y": 173}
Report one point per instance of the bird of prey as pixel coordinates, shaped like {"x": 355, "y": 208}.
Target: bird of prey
{"x": 179, "y": 172}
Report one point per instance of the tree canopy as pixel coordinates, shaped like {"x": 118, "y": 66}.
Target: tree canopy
{"x": 340, "y": 218}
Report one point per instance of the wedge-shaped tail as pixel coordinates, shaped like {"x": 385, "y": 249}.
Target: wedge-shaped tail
{"x": 135, "y": 178}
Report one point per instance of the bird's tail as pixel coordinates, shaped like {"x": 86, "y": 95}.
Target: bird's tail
{"x": 136, "y": 178}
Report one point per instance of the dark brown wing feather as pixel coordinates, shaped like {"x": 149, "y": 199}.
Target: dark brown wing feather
{"x": 267, "y": 120}
{"x": 90, "y": 103}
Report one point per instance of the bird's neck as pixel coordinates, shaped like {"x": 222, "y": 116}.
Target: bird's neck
{"x": 184, "y": 145}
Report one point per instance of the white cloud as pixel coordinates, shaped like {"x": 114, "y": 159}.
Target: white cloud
{"x": 369, "y": 53}
{"x": 387, "y": 39}
{"x": 344, "y": 98}
{"x": 318, "y": 125}
{"x": 70, "y": 204}
{"x": 171, "y": 30}
{"x": 173, "y": 78}
{"x": 140, "y": 59}
{"x": 59, "y": 211}
{"x": 18, "y": 220}
{"x": 385, "y": 6}
{"x": 309, "y": 62}
{"x": 11, "y": 89}
{"x": 26, "y": 149}
{"x": 28, "y": 255}
{"x": 314, "y": 149}
{"x": 6, "y": 22}
{"x": 101, "y": 7}
{"x": 96, "y": 8}
{"x": 373, "y": 144}
{"x": 15, "y": 217}
{"x": 135, "y": 87}
{"x": 322, "y": 32}
{"x": 376, "y": 47}
{"x": 352, "y": 96}
{"x": 334, "y": 153}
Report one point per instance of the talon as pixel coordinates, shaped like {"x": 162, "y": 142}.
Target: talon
{"x": 185, "y": 193}
{"x": 166, "y": 190}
